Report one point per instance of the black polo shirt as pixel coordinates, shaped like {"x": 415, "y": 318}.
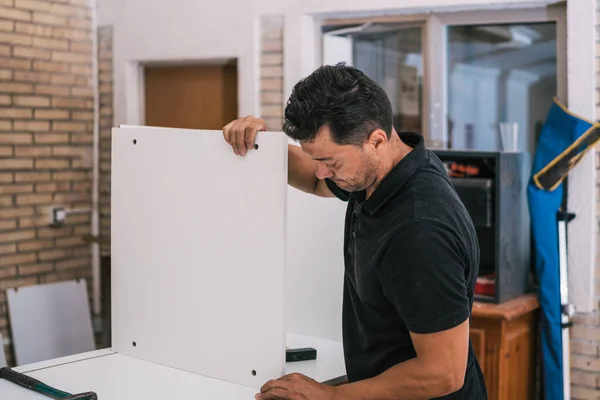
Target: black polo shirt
{"x": 411, "y": 262}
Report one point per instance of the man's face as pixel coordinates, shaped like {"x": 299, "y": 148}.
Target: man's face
{"x": 351, "y": 167}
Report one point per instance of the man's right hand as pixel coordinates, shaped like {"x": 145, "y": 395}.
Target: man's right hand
{"x": 241, "y": 133}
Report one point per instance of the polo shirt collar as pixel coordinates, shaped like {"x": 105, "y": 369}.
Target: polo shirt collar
{"x": 396, "y": 178}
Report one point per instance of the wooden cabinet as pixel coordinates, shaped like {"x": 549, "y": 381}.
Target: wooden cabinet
{"x": 504, "y": 339}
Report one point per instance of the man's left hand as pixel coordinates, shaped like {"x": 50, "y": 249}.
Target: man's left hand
{"x": 296, "y": 387}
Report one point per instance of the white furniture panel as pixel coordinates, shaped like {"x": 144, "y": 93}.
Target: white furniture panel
{"x": 50, "y": 320}
{"x": 198, "y": 253}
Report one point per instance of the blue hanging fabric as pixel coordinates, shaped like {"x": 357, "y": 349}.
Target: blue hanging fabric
{"x": 564, "y": 140}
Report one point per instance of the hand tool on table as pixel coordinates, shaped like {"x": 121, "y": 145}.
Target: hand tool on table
{"x": 42, "y": 388}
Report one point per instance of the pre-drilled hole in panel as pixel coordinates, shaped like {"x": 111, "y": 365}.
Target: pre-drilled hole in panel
{"x": 255, "y": 146}
{"x": 253, "y": 372}
{"x": 134, "y": 141}
{"x": 134, "y": 344}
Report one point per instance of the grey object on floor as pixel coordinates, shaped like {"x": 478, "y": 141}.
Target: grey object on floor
{"x": 50, "y": 321}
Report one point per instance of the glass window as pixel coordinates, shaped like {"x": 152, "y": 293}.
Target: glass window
{"x": 500, "y": 78}
{"x": 390, "y": 54}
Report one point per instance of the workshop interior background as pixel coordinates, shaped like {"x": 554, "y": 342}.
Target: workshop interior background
{"x": 49, "y": 71}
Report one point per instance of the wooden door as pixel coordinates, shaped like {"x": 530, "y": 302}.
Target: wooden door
{"x": 191, "y": 96}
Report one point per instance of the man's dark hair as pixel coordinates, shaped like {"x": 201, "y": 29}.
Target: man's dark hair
{"x": 342, "y": 97}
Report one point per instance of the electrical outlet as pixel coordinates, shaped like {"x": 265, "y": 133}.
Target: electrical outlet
{"x": 58, "y": 215}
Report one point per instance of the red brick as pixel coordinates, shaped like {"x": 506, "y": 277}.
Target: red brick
{"x": 32, "y": 176}
{"x": 8, "y": 248}
{"x": 6, "y": 25}
{"x": 15, "y": 138}
{"x": 36, "y": 245}
{"x": 50, "y": 66}
{"x": 14, "y": 113}
{"x": 71, "y": 102}
{"x": 54, "y": 254}
{"x": 6, "y": 74}
{"x": 6, "y": 225}
{"x": 50, "y": 138}
{"x": 51, "y": 163}
{"x": 15, "y": 63}
{"x": 34, "y": 269}
{"x": 51, "y": 114}
{"x": 52, "y": 89}
{"x": 73, "y": 263}
{"x": 50, "y": 19}
{"x": 12, "y": 87}
{"x": 7, "y": 272}
{"x": 69, "y": 176}
{"x": 6, "y": 151}
{"x": 33, "y": 126}
{"x": 16, "y": 163}
{"x": 17, "y": 282}
{"x": 32, "y": 76}
{"x": 33, "y": 151}
{"x": 18, "y": 235}
{"x": 16, "y": 188}
{"x": 32, "y": 101}
{"x": 6, "y": 177}
{"x": 12, "y": 13}
{"x": 31, "y": 52}
{"x": 12, "y": 212}
{"x": 82, "y": 91}
{"x": 6, "y": 201}
{"x": 82, "y": 47}
{"x": 69, "y": 241}
{"x": 68, "y": 126}
{"x": 33, "y": 29}
{"x": 17, "y": 259}
{"x": 34, "y": 198}
{"x": 34, "y": 5}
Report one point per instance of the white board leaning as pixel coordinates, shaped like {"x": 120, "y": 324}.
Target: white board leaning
{"x": 198, "y": 252}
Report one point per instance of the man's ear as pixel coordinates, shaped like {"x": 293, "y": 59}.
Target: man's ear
{"x": 377, "y": 139}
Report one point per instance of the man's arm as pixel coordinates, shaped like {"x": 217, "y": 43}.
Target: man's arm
{"x": 241, "y": 134}
{"x": 423, "y": 274}
{"x": 438, "y": 370}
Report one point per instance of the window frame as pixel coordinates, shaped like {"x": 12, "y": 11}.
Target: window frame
{"x": 435, "y": 57}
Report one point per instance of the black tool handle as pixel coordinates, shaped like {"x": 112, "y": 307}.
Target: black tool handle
{"x": 18, "y": 378}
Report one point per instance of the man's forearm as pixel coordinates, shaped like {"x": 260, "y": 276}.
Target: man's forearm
{"x": 410, "y": 380}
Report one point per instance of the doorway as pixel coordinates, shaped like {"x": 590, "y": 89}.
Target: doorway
{"x": 199, "y": 96}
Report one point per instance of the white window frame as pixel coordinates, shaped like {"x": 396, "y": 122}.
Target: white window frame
{"x": 435, "y": 79}
{"x": 438, "y": 56}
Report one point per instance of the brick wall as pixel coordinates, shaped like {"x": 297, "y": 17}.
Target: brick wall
{"x": 105, "y": 36}
{"x": 585, "y": 335}
{"x": 271, "y": 71}
{"x": 46, "y": 117}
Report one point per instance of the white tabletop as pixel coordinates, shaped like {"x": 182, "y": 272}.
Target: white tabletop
{"x": 116, "y": 377}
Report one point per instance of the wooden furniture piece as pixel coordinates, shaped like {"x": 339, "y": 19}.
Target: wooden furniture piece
{"x": 504, "y": 339}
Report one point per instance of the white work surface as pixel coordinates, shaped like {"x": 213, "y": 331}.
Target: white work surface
{"x": 117, "y": 377}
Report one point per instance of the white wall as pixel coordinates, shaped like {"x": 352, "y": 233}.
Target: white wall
{"x": 156, "y": 30}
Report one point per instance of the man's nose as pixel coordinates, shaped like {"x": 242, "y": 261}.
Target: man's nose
{"x": 322, "y": 171}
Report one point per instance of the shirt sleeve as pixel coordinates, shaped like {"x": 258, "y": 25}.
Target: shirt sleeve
{"x": 424, "y": 275}
{"x": 337, "y": 191}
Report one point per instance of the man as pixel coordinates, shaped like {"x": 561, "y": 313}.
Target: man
{"x": 411, "y": 252}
